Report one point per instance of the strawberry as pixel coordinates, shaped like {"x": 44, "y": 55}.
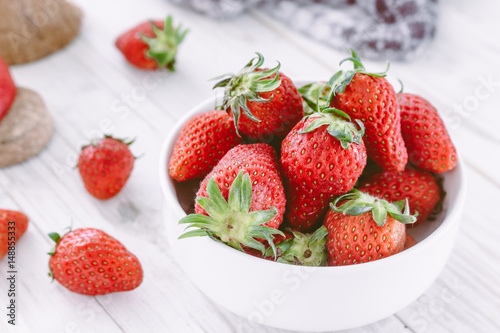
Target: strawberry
{"x": 203, "y": 141}
{"x": 418, "y": 187}
{"x": 365, "y": 228}
{"x": 410, "y": 242}
{"x": 242, "y": 200}
{"x": 89, "y": 261}
{"x": 12, "y": 226}
{"x": 152, "y": 45}
{"x": 270, "y": 101}
{"x": 429, "y": 145}
{"x": 369, "y": 97}
{"x": 8, "y": 89}
{"x": 322, "y": 157}
{"x": 105, "y": 166}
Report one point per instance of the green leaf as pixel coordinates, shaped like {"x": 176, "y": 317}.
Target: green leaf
{"x": 231, "y": 221}
{"x": 55, "y": 237}
{"x": 163, "y": 46}
{"x": 196, "y": 218}
{"x": 193, "y": 233}
{"x": 379, "y": 214}
{"x": 215, "y": 194}
{"x": 246, "y": 86}
{"x": 356, "y": 203}
{"x": 318, "y": 235}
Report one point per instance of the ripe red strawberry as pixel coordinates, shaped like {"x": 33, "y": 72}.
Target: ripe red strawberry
{"x": 152, "y": 45}
{"x": 419, "y": 187}
{"x": 365, "y": 228}
{"x": 322, "y": 157}
{"x": 105, "y": 167}
{"x": 429, "y": 145}
{"x": 12, "y": 226}
{"x": 8, "y": 89}
{"x": 265, "y": 103}
{"x": 203, "y": 141}
{"x": 370, "y": 98}
{"x": 89, "y": 261}
{"x": 410, "y": 242}
{"x": 242, "y": 200}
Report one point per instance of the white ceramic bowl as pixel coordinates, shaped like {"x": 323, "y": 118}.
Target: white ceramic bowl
{"x": 308, "y": 298}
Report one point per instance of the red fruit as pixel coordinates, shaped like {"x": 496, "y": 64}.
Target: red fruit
{"x": 410, "y": 242}
{"x": 318, "y": 166}
{"x": 12, "y": 226}
{"x": 203, "y": 141}
{"x": 152, "y": 45}
{"x": 8, "y": 89}
{"x": 429, "y": 145}
{"x": 365, "y": 229}
{"x": 265, "y": 103}
{"x": 105, "y": 167}
{"x": 261, "y": 163}
{"x": 419, "y": 187}
{"x": 89, "y": 261}
{"x": 241, "y": 201}
{"x": 371, "y": 99}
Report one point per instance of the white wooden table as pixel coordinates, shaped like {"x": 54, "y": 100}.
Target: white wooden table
{"x": 89, "y": 89}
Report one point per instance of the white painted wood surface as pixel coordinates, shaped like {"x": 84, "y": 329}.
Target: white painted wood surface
{"x": 89, "y": 89}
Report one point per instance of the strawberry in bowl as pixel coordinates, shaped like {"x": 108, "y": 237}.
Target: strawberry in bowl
{"x": 274, "y": 291}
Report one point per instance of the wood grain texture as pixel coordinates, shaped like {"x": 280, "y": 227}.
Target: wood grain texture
{"x": 89, "y": 89}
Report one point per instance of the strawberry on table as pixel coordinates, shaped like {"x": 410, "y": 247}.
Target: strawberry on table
{"x": 370, "y": 98}
{"x": 322, "y": 157}
{"x": 420, "y": 188}
{"x": 265, "y": 103}
{"x": 89, "y": 261}
{"x": 152, "y": 44}
{"x": 242, "y": 200}
{"x": 203, "y": 141}
{"x": 365, "y": 228}
{"x": 105, "y": 166}
{"x": 429, "y": 146}
{"x": 8, "y": 89}
{"x": 11, "y": 221}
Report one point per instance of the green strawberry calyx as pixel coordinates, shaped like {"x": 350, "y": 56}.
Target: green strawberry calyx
{"x": 303, "y": 249}
{"x": 340, "y": 80}
{"x": 246, "y": 86}
{"x": 339, "y": 123}
{"x": 318, "y": 91}
{"x": 356, "y": 203}
{"x": 231, "y": 222}
{"x": 95, "y": 141}
{"x": 163, "y": 46}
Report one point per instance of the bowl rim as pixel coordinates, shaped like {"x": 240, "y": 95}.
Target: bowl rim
{"x": 170, "y": 199}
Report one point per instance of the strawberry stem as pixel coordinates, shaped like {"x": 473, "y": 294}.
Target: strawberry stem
{"x": 356, "y": 203}
{"x": 231, "y": 221}
{"x": 163, "y": 47}
{"x": 246, "y": 86}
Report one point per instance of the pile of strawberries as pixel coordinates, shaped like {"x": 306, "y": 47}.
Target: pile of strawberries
{"x": 328, "y": 174}
{"x": 89, "y": 261}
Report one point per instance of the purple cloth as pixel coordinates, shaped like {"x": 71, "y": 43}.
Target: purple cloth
{"x": 376, "y": 29}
